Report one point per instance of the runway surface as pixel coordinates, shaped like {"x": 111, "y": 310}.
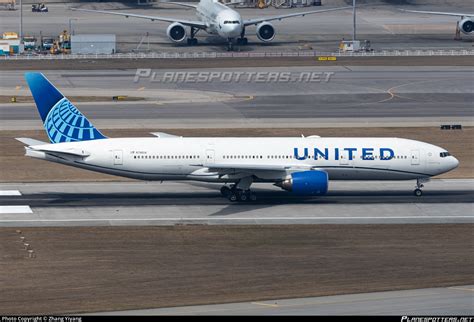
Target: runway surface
{"x": 104, "y": 204}
{"x": 362, "y": 95}
{"x": 456, "y": 300}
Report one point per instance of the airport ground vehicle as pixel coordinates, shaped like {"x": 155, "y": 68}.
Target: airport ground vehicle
{"x": 29, "y": 43}
{"x": 40, "y": 7}
{"x": 47, "y": 43}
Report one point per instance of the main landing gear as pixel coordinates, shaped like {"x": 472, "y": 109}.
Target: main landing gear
{"x": 234, "y": 194}
{"x": 239, "y": 191}
{"x": 419, "y": 184}
{"x": 192, "y": 41}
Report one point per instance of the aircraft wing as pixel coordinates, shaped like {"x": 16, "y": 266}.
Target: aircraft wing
{"x": 290, "y": 15}
{"x": 440, "y": 13}
{"x": 188, "y": 5}
{"x": 197, "y": 24}
{"x": 255, "y": 167}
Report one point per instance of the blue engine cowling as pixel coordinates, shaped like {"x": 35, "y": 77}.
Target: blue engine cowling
{"x": 307, "y": 183}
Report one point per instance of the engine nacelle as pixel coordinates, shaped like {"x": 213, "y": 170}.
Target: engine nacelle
{"x": 176, "y": 32}
{"x": 265, "y": 31}
{"x": 466, "y": 25}
{"x": 306, "y": 183}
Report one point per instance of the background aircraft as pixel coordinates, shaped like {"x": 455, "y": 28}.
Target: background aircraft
{"x": 216, "y": 18}
{"x": 302, "y": 165}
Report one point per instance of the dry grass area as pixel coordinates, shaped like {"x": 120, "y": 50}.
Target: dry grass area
{"x": 15, "y": 167}
{"x": 86, "y": 269}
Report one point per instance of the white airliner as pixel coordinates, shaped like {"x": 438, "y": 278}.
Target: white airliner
{"x": 216, "y": 18}
{"x": 302, "y": 165}
{"x": 465, "y": 25}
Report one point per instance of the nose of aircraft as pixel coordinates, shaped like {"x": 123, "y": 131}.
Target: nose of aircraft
{"x": 454, "y": 163}
{"x": 231, "y": 30}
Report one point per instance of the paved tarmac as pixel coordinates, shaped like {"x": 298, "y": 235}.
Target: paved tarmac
{"x": 352, "y": 95}
{"x": 446, "y": 301}
{"x": 136, "y": 203}
{"x": 384, "y": 26}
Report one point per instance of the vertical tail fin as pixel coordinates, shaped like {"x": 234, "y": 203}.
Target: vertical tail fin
{"x": 62, "y": 121}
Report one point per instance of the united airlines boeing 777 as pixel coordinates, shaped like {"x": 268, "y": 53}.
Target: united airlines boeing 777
{"x": 216, "y": 18}
{"x": 301, "y": 165}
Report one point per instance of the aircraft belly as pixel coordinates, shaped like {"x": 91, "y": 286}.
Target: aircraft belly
{"x": 378, "y": 173}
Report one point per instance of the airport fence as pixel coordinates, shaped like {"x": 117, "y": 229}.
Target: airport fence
{"x": 210, "y": 55}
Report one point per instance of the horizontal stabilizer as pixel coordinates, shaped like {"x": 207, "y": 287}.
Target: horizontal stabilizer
{"x": 163, "y": 135}
{"x": 30, "y": 142}
{"x": 50, "y": 148}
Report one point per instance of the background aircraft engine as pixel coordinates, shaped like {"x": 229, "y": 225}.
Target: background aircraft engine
{"x": 265, "y": 31}
{"x": 306, "y": 183}
{"x": 466, "y": 25}
{"x": 176, "y": 32}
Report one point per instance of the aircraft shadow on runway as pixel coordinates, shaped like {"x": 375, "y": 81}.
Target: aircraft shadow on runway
{"x": 206, "y": 198}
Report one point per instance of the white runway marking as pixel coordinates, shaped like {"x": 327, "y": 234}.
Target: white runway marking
{"x": 10, "y": 193}
{"x": 15, "y": 210}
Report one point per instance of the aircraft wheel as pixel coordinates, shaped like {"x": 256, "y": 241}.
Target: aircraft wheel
{"x": 418, "y": 192}
{"x": 232, "y": 196}
{"x": 243, "y": 197}
{"x": 253, "y": 197}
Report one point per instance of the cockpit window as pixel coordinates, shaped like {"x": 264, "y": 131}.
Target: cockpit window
{"x": 235, "y": 22}
{"x": 444, "y": 154}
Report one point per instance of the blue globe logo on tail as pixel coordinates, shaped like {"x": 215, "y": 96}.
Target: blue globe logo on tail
{"x": 62, "y": 121}
{"x": 65, "y": 123}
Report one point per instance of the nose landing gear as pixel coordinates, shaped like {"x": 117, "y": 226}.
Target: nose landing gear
{"x": 419, "y": 184}
{"x": 230, "y": 44}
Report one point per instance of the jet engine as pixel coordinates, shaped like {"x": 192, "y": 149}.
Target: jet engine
{"x": 306, "y": 183}
{"x": 466, "y": 25}
{"x": 265, "y": 31}
{"x": 176, "y": 32}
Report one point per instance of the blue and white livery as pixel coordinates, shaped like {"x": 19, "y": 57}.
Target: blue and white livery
{"x": 301, "y": 165}
{"x": 62, "y": 121}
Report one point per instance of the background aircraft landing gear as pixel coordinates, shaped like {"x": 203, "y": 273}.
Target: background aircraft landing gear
{"x": 242, "y": 41}
{"x": 230, "y": 45}
{"x": 192, "y": 41}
